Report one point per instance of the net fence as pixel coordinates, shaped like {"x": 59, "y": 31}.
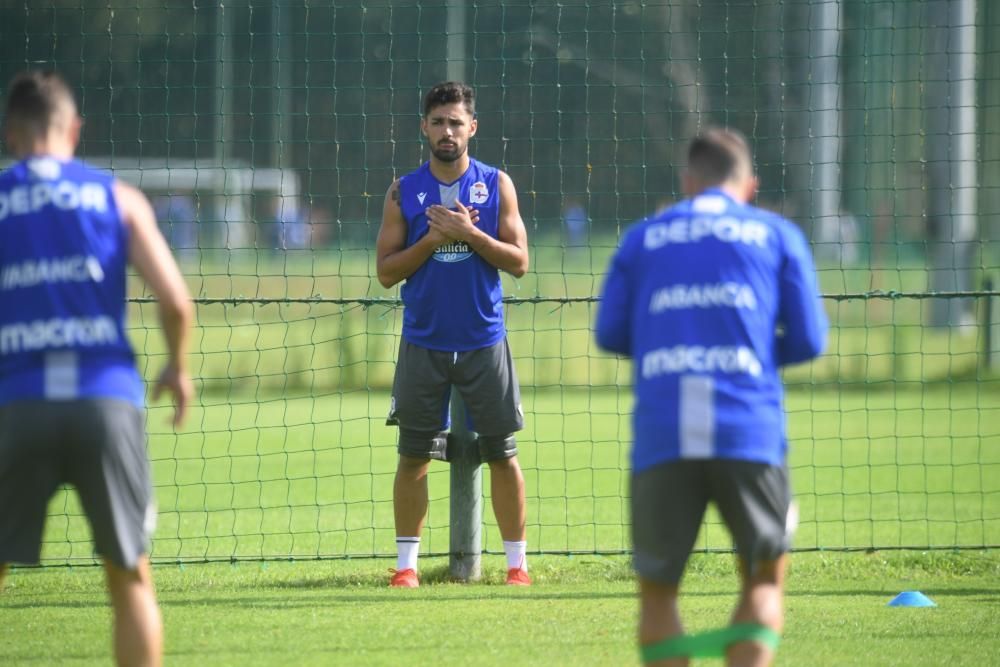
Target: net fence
{"x": 266, "y": 134}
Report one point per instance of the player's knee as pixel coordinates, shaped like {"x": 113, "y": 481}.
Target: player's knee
{"x": 657, "y": 568}
{"x": 651, "y": 589}
{"x": 422, "y": 445}
{"x": 765, "y": 562}
{"x": 765, "y": 571}
{"x": 412, "y": 466}
{"x": 497, "y": 447}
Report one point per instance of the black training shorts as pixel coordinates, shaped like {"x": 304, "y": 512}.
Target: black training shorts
{"x": 669, "y": 502}
{"x": 99, "y": 447}
{"x": 421, "y": 392}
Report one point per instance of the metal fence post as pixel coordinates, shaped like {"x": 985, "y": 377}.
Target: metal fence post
{"x": 465, "y": 536}
{"x": 991, "y": 328}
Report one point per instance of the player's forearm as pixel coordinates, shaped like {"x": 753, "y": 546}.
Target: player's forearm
{"x": 802, "y": 342}
{"x": 613, "y": 339}
{"x": 611, "y": 330}
{"x": 400, "y": 265}
{"x": 504, "y": 256}
{"x": 176, "y": 319}
{"x": 803, "y": 322}
{"x": 804, "y": 331}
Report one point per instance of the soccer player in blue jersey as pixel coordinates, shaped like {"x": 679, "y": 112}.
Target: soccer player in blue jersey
{"x": 710, "y": 298}
{"x": 70, "y": 395}
{"x": 448, "y": 229}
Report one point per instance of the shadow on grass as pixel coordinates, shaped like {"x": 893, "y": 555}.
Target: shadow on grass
{"x": 55, "y": 604}
{"x": 331, "y": 600}
{"x": 583, "y": 572}
{"x": 331, "y": 595}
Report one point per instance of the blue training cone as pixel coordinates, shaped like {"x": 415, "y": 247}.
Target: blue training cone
{"x": 912, "y": 599}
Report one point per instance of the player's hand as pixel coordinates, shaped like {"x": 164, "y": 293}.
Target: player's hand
{"x": 437, "y": 237}
{"x": 456, "y": 224}
{"x": 178, "y": 383}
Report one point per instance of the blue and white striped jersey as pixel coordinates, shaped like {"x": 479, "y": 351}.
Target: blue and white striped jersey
{"x": 710, "y": 298}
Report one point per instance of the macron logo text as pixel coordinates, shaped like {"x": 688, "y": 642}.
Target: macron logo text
{"x": 699, "y": 359}
{"x": 57, "y": 332}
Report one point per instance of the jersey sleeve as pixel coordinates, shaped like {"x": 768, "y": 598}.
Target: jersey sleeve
{"x": 802, "y": 321}
{"x": 614, "y": 311}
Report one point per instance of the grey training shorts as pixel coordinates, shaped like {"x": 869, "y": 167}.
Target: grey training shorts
{"x": 669, "y": 502}
{"x": 485, "y": 379}
{"x": 99, "y": 447}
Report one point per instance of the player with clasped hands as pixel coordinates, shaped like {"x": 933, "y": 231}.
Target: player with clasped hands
{"x": 448, "y": 229}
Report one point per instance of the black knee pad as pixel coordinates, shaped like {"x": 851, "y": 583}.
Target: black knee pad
{"x": 497, "y": 447}
{"x": 463, "y": 449}
{"x": 423, "y": 444}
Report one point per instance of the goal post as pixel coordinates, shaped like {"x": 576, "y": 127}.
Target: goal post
{"x": 228, "y": 189}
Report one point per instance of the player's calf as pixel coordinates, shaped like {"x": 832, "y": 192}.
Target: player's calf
{"x": 507, "y": 493}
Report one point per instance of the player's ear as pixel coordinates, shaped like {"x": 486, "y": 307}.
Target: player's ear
{"x": 423, "y": 126}
{"x": 689, "y": 186}
{"x": 473, "y": 126}
{"x": 752, "y": 184}
{"x": 75, "y": 126}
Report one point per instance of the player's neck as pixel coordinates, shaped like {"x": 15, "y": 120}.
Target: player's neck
{"x": 737, "y": 192}
{"x": 733, "y": 190}
{"x": 448, "y": 172}
{"x": 48, "y": 147}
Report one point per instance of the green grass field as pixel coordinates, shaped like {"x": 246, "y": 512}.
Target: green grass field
{"x": 580, "y": 612}
{"x": 895, "y": 443}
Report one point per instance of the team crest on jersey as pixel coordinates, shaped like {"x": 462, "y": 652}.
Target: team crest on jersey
{"x": 478, "y": 194}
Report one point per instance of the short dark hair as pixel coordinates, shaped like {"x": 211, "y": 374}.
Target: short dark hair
{"x": 450, "y": 92}
{"x": 718, "y": 154}
{"x": 33, "y": 99}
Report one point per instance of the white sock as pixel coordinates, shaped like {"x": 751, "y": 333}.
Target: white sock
{"x": 516, "y": 554}
{"x": 407, "y": 550}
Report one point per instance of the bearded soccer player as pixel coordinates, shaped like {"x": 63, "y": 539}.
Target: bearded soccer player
{"x": 71, "y": 399}
{"x": 710, "y": 298}
{"x": 448, "y": 229}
